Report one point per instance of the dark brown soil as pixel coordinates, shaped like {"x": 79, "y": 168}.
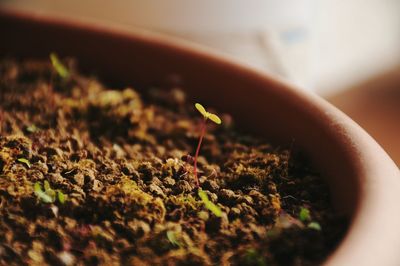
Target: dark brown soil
{"x": 122, "y": 160}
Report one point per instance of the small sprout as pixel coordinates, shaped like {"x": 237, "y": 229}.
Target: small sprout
{"x": 46, "y": 185}
{"x": 24, "y": 161}
{"x": 41, "y": 194}
{"x": 315, "y": 226}
{"x": 206, "y": 116}
{"x": 61, "y": 197}
{"x": 208, "y": 204}
{"x": 304, "y": 214}
{"x": 58, "y": 66}
{"x": 32, "y": 128}
{"x": 171, "y": 235}
{"x": 49, "y": 195}
{"x": 49, "y": 191}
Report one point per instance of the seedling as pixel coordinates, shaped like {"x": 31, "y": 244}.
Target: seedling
{"x": 61, "y": 197}
{"x": 208, "y": 204}
{"x": 43, "y": 196}
{"x": 58, "y": 66}
{"x": 49, "y": 195}
{"x": 206, "y": 115}
{"x": 24, "y": 161}
{"x": 304, "y": 215}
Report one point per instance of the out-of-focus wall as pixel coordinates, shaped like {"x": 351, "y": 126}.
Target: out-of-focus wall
{"x": 321, "y": 45}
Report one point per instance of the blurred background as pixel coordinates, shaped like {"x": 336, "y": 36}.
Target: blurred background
{"x": 346, "y": 51}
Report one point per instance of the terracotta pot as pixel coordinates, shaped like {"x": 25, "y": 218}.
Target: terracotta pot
{"x": 364, "y": 181}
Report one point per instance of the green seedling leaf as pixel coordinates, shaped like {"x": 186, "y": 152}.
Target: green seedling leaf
{"x": 49, "y": 191}
{"x": 215, "y": 118}
{"x": 42, "y": 195}
{"x": 315, "y": 226}
{"x": 209, "y": 205}
{"x": 304, "y": 215}
{"x": 61, "y": 197}
{"x": 58, "y": 66}
{"x": 52, "y": 194}
{"x": 46, "y": 185}
{"x": 201, "y": 109}
{"x": 208, "y": 115}
{"x": 37, "y": 187}
{"x": 171, "y": 235}
{"x": 24, "y": 161}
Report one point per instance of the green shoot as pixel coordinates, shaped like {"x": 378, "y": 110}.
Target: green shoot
{"x": 41, "y": 194}
{"x": 46, "y": 185}
{"x": 171, "y": 235}
{"x": 24, "y": 161}
{"x": 61, "y": 197}
{"x": 304, "y": 214}
{"x": 206, "y": 115}
{"x": 208, "y": 204}
{"x": 315, "y": 226}
{"x": 49, "y": 195}
{"x": 58, "y": 66}
{"x": 305, "y": 217}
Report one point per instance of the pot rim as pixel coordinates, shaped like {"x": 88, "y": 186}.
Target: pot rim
{"x": 374, "y": 236}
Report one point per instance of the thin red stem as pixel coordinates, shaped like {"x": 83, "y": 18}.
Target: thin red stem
{"x": 203, "y": 130}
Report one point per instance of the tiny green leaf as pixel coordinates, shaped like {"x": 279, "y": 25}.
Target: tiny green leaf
{"x": 209, "y": 205}
{"x": 304, "y": 214}
{"x": 201, "y": 109}
{"x": 52, "y": 194}
{"x": 58, "y": 66}
{"x": 37, "y": 187}
{"x": 171, "y": 235}
{"x": 208, "y": 115}
{"x": 215, "y": 119}
{"x": 315, "y": 226}
{"x": 24, "y": 161}
{"x": 42, "y": 195}
{"x": 61, "y": 196}
{"x": 46, "y": 185}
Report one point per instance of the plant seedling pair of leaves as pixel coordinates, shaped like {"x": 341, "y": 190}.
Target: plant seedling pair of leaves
{"x": 206, "y": 115}
{"x": 49, "y": 195}
{"x": 24, "y": 161}
{"x": 203, "y": 195}
{"x": 305, "y": 217}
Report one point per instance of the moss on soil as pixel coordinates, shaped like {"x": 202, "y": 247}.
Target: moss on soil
{"x": 123, "y": 162}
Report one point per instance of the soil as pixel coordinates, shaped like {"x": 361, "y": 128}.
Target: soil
{"x": 120, "y": 187}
